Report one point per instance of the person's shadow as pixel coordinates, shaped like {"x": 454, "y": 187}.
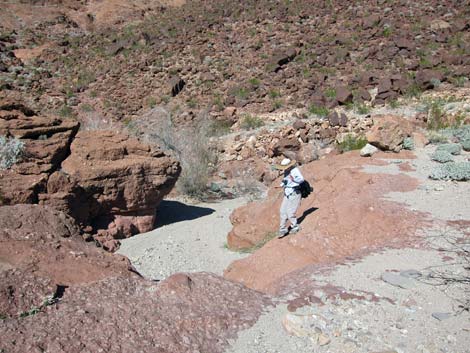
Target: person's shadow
{"x": 306, "y": 213}
{"x": 169, "y": 212}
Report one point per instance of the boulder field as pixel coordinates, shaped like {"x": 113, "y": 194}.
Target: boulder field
{"x": 108, "y": 182}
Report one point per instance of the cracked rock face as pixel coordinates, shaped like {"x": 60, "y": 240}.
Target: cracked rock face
{"x": 103, "y": 179}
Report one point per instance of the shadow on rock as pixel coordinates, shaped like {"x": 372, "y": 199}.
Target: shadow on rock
{"x": 174, "y": 211}
{"x": 306, "y": 213}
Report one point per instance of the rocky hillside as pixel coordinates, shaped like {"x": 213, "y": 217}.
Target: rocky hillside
{"x": 254, "y": 55}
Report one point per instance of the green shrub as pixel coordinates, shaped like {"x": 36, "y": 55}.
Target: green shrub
{"x": 219, "y": 128}
{"x": 452, "y": 148}
{"x": 352, "y": 142}
{"x": 362, "y": 109}
{"x": 452, "y": 171}
{"x": 250, "y": 122}
{"x": 11, "y": 151}
{"x": 318, "y": 110}
{"x": 408, "y": 143}
{"x": 436, "y": 137}
{"x": 442, "y": 157}
{"x": 330, "y": 93}
{"x": 466, "y": 145}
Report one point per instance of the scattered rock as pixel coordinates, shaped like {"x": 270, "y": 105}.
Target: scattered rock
{"x": 441, "y": 316}
{"x": 398, "y": 280}
{"x": 368, "y": 150}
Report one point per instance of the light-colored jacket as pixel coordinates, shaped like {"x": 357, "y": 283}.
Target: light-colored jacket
{"x": 291, "y": 181}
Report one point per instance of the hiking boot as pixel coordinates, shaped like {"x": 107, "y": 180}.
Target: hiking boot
{"x": 295, "y": 229}
{"x": 282, "y": 233}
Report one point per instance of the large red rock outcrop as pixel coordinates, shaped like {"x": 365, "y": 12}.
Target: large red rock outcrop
{"x": 41, "y": 249}
{"x": 116, "y": 181}
{"x": 46, "y": 142}
{"x": 345, "y": 215}
{"x": 103, "y": 179}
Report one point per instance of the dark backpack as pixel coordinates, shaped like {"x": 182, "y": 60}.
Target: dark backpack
{"x": 305, "y": 189}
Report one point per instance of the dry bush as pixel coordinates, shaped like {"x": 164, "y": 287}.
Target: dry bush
{"x": 190, "y": 145}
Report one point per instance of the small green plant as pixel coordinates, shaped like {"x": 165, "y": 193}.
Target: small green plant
{"x": 218, "y": 103}
{"x": 3, "y": 316}
{"x": 318, "y": 110}
{"x": 11, "y": 151}
{"x": 273, "y": 94}
{"x": 242, "y": 93}
{"x": 442, "y": 156}
{"x": 458, "y": 171}
{"x": 87, "y": 108}
{"x": 413, "y": 91}
{"x": 65, "y": 111}
{"x": 254, "y": 82}
{"x": 50, "y": 300}
{"x": 277, "y": 104}
{"x": 219, "y": 128}
{"x": 93, "y": 94}
{"x": 192, "y": 103}
{"x": 436, "y": 137}
{"x": 361, "y": 108}
{"x": 151, "y": 102}
{"x": 267, "y": 237}
{"x": 387, "y": 32}
{"x": 330, "y": 93}
{"x": 250, "y": 122}
{"x": 351, "y": 142}
{"x": 394, "y": 103}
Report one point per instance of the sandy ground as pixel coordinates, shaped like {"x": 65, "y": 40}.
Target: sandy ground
{"x": 420, "y": 316}
{"x": 192, "y": 239}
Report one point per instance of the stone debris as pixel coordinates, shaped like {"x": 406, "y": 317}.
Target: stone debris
{"x": 441, "y": 316}
{"x": 398, "y": 280}
{"x": 368, "y": 150}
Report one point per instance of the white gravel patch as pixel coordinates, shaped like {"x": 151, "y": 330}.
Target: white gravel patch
{"x": 193, "y": 241}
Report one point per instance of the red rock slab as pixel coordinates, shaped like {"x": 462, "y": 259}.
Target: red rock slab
{"x": 346, "y": 215}
{"x": 185, "y": 313}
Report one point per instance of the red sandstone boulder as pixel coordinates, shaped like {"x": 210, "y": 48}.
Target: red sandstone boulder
{"x": 388, "y": 132}
{"x": 113, "y": 182}
{"x": 46, "y": 143}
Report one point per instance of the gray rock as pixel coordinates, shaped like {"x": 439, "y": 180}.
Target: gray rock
{"x": 441, "y": 316}
{"x": 368, "y": 150}
{"x": 411, "y": 274}
{"x": 397, "y": 280}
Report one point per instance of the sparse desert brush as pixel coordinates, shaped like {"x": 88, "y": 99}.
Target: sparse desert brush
{"x": 190, "y": 145}
{"x": 11, "y": 151}
{"x": 318, "y": 110}
{"x": 351, "y": 142}
{"x": 250, "y": 122}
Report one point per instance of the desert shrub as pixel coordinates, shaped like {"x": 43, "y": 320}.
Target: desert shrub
{"x": 219, "y": 127}
{"x": 190, "y": 145}
{"x": 361, "y": 109}
{"x": 318, "y": 110}
{"x": 466, "y": 145}
{"x": 458, "y": 171}
{"x": 442, "y": 156}
{"x": 11, "y": 150}
{"x": 452, "y": 148}
{"x": 250, "y": 122}
{"x": 352, "y": 142}
{"x": 436, "y": 137}
{"x": 408, "y": 143}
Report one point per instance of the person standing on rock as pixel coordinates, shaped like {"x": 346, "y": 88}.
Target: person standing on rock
{"x": 290, "y": 183}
